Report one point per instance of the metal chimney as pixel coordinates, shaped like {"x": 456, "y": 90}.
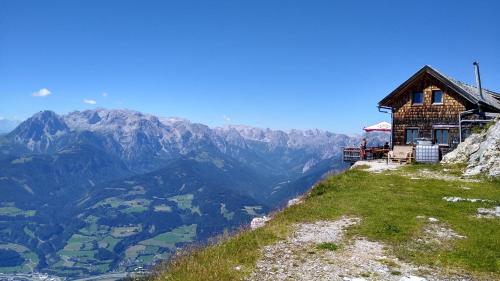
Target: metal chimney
{"x": 478, "y": 80}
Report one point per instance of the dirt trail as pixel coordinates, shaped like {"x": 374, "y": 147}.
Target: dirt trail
{"x": 300, "y": 258}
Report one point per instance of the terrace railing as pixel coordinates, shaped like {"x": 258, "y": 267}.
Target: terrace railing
{"x": 353, "y": 154}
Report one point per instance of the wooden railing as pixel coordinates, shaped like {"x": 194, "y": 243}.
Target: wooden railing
{"x": 353, "y": 154}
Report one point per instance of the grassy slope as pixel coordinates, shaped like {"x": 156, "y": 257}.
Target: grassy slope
{"x": 388, "y": 204}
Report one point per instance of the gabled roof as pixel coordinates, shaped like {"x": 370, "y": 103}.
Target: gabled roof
{"x": 490, "y": 99}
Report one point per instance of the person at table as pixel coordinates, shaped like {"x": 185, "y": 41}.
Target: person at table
{"x": 386, "y": 145}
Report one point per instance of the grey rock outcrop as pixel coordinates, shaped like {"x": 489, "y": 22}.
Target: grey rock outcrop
{"x": 480, "y": 151}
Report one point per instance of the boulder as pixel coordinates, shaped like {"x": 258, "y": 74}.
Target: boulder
{"x": 480, "y": 151}
{"x": 489, "y": 213}
{"x": 294, "y": 201}
{"x": 259, "y": 222}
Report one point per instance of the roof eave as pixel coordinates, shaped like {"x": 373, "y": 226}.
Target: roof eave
{"x": 490, "y": 106}
{"x": 435, "y": 74}
{"x": 384, "y": 101}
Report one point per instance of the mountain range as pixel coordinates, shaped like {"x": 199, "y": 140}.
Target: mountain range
{"x": 103, "y": 190}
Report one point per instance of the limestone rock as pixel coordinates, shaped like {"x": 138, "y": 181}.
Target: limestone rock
{"x": 259, "y": 222}
{"x": 294, "y": 201}
{"x": 481, "y": 152}
{"x": 488, "y": 213}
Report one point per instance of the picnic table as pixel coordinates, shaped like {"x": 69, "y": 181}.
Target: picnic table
{"x": 378, "y": 152}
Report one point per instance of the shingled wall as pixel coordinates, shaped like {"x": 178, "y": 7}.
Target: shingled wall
{"x": 425, "y": 116}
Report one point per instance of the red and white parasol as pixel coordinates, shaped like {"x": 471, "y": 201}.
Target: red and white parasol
{"x": 379, "y": 127}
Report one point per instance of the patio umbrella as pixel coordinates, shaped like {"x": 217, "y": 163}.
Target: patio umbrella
{"x": 379, "y": 127}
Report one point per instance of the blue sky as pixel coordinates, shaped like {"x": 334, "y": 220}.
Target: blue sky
{"x": 278, "y": 64}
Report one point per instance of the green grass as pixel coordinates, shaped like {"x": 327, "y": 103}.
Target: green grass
{"x": 327, "y": 246}
{"x": 253, "y": 210}
{"x": 81, "y": 249}
{"x": 388, "y": 205}
{"x": 80, "y": 246}
{"x": 135, "y": 206}
{"x": 125, "y": 231}
{"x": 125, "y": 206}
{"x": 482, "y": 129}
{"x": 145, "y": 255}
{"x": 225, "y": 212}
{"x": 29, "y": 232}
{"x": 183, "y": 201}
{"x": 162, "y": 208}
{"x": 108, "y": 242}
{"x": 22, "y": 160}
{"x": 13, "y": 211}
{"x": 134, "y": 251}
{"x": 169, "y": 239}
{"x": 113, "y": 202}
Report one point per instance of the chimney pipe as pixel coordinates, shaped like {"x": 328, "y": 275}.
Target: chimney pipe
{"x": 478, "y": 80}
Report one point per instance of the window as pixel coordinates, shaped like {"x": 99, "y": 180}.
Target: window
{"x": 411, "y": 136}
{"x": 437, "y": 97}
{"x": 441, "y": 136}
{"x": 417, "y": 97}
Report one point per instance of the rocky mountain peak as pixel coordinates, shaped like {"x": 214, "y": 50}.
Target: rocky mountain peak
{"x": 38, "y": 131}
{"x": 108, "y": 120}
{"x": 137, "y": 137}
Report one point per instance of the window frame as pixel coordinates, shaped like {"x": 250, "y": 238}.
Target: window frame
{"x": 442, "y": 97}
{"x": 435, "y": 138}
{"x": 412, "y": 96}
{"x": 415, "y": 132}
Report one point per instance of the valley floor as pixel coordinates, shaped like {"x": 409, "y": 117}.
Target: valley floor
{"x": 418, "y": 222}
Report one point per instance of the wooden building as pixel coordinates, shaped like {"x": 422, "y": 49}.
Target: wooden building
{"x": 430, "y": 105}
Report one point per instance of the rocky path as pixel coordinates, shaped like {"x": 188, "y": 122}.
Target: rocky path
{"x": 319, "y": 251}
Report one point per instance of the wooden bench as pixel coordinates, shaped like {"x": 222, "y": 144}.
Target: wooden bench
{"x": 401, "y": 153}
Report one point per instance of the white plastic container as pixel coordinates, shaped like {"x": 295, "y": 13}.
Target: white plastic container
{"x": 426, "y": 152}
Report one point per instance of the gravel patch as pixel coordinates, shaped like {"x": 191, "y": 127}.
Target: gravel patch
{"x": 299, "y": 257}
{"x": 322, "y": 231}
{"x": 377, "y": 166}
{"x": 428, "y": 174}
{"x": 436, "y": 233}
